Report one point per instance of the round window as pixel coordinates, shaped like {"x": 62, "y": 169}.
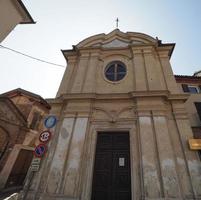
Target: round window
{"x": 115, "y": 71}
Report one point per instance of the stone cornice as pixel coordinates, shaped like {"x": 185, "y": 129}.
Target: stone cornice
{"x": 26, "y": 16}
{"x": 119, "y": 96}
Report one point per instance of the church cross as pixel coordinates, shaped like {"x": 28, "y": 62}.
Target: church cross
{"x": 117, "y": 23}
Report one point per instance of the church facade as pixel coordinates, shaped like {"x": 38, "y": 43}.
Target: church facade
{"x": 122, "y": 130}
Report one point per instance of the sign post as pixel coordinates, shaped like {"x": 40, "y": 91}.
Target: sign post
{"x": 35, "y": 165}
{"x": 40, "y": 151}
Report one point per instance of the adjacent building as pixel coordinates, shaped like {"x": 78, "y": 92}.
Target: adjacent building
{"x": 16, "y": 132}
{"x": 21, "y": 120}
{"x": 122, "y": 130}
{"x": 12, "y": 13}
{"x": 192, "y": 85}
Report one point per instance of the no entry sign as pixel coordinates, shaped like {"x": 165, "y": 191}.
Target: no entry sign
{"x": 40, "y": 150}
{"x": 45, "y": 136}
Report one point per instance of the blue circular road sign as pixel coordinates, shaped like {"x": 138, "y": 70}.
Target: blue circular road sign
{"x": 50, "y": 121}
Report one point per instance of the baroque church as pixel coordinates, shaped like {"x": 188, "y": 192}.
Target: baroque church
{"x": 122, "y": 131}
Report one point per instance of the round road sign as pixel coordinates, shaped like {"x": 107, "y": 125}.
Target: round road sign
{"x": 45, "y": 136}
{"x": 50, "y": 121}
{"x": 40, "y": 150}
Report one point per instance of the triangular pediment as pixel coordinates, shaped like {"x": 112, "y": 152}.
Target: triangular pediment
{"x": 116, "y": 39}
{"x": 115, "y": 43}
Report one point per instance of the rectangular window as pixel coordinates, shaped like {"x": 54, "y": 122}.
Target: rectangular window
{"x": 35, "y": 121}
{"x": 185, "y": 87}
{"x": 193, "y": 89}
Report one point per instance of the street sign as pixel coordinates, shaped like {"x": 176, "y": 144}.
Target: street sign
{"x": 50, "y": 121}
{"x": 35, "y": 161}
{"x": 40, "y": 150}
{"x": 195, "y": 144}
{"x": 35, "y": 164}
{"x": 45, "y": 136}
{"x": 35, "y": 168}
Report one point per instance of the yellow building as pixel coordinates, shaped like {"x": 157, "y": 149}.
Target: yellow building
{"x": 122, "y": 130}
{"x": 12, "y": 13}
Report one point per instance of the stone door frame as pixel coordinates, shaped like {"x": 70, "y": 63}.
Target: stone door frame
{"x": 90, "y": 149}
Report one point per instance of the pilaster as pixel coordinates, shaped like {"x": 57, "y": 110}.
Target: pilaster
{"x": 140, "y": 73}
{"x": 169, "y": 177}
{"x": 153, "y": 76}
{"x": 80, "y": 72}
{"x": 89, "y": 84}
{"x": 168, "y": 73}
{"x": 67, "y": 77}
{"x": 192, "y": 162}
{"x": 151, "y": 179}
{"x": 57, "y": 166}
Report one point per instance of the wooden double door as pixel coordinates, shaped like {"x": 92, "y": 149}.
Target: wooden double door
{"x": 112, "y": 177}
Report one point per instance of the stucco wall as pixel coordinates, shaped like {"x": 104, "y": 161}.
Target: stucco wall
{"x": 146, "y": 103}
{"x": 9, "y": 17}
{"x": 190, "y": 105}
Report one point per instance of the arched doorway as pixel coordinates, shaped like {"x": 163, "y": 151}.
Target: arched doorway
{"x": 20, "y": 168}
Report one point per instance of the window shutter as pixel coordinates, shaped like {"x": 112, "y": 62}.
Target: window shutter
{"x": 38, "y": 122}
{"x": 34, "y": 120}
{"x": 185, "y": 87}
{"x": 198, "y": 108}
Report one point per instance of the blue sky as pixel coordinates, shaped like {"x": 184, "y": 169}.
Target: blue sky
{"x": 63, "y": 23}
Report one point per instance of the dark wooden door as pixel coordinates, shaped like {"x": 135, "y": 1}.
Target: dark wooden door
{"x": 111, "y": 179}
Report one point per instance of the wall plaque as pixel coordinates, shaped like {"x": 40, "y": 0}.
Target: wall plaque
{"x": 121, "y": 162}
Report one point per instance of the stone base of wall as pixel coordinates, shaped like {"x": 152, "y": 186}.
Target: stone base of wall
{"x": 41, "y": 196}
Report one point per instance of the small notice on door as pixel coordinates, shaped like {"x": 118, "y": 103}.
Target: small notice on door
{"x": 121, "y": 162}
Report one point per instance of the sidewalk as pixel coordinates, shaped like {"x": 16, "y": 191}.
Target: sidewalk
{"x": 10, "y": 192}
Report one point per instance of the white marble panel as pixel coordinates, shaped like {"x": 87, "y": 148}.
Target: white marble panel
{"x": 59, "y": 158}
{"x": 150, "y": 173}
{"x": 166, "y": 158}
{"x": 116, "y": 43}
{"x": 74, "y": 160}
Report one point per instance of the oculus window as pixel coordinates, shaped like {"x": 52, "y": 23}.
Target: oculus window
{"x": 115, "y": 71}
